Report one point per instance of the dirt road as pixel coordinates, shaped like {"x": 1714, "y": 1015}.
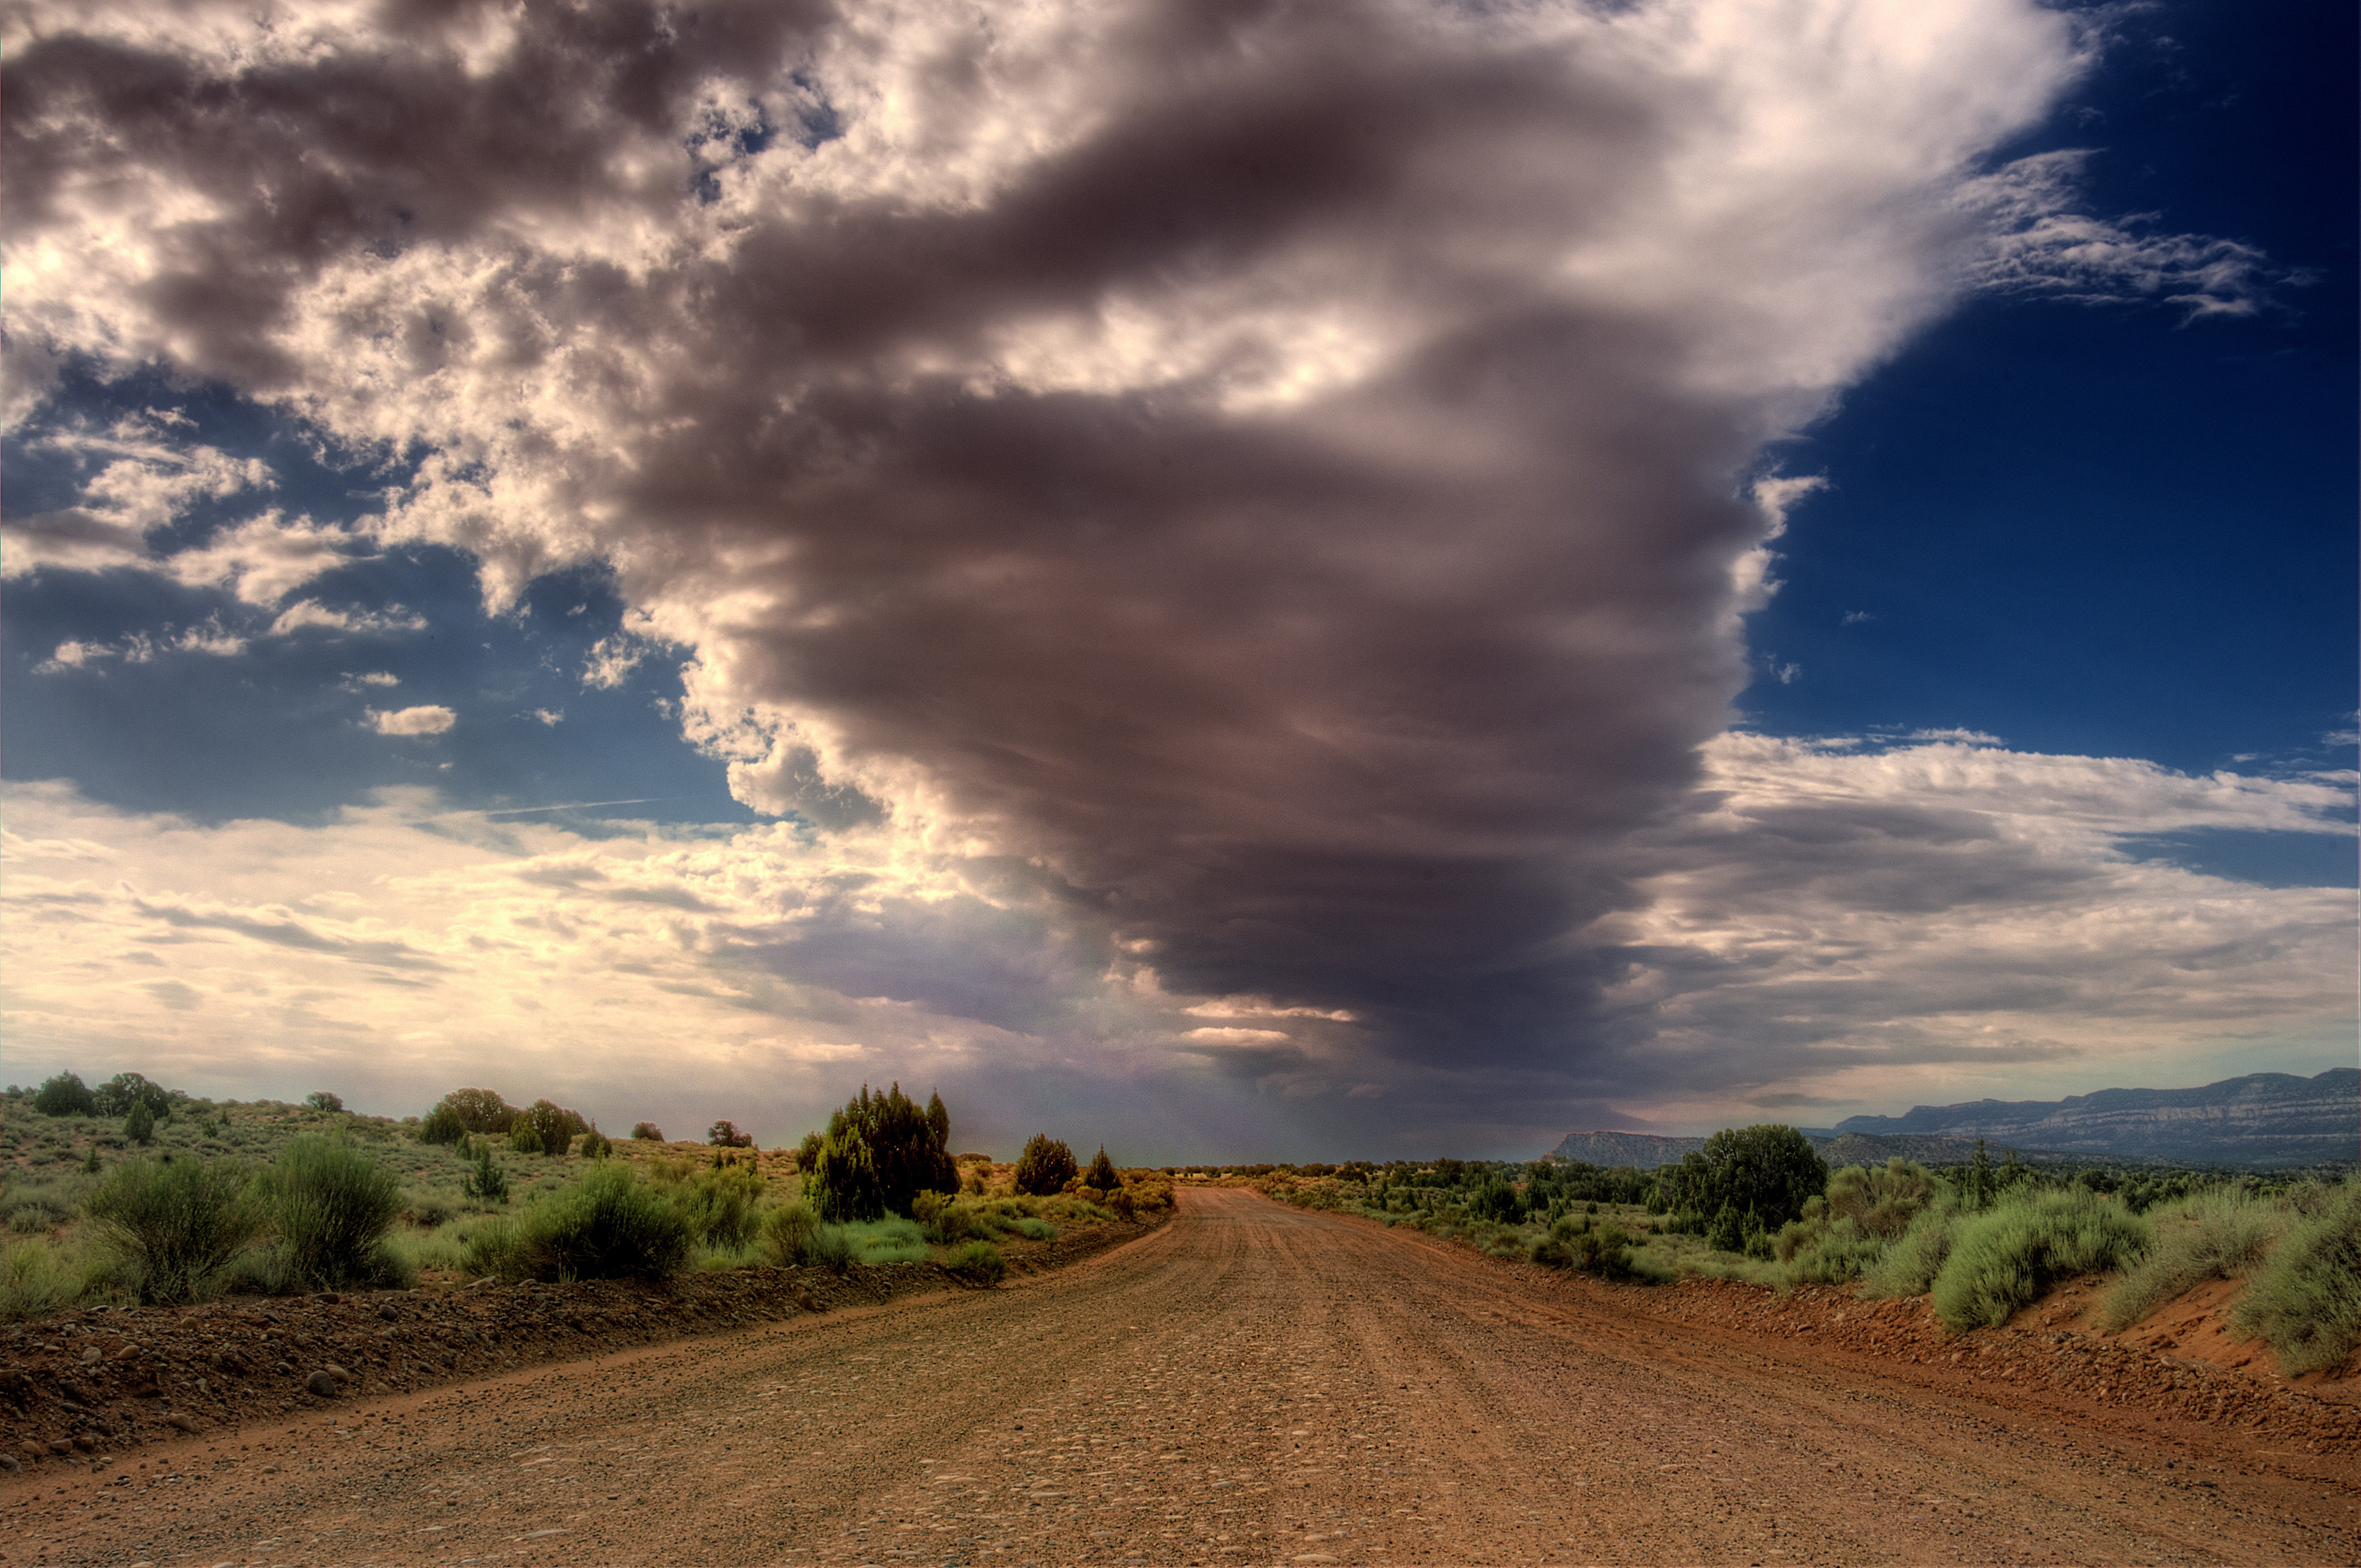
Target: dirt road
{"x": 1250, "y": 1383}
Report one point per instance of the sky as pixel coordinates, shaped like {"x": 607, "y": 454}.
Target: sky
{"x": 1239, "y": 581}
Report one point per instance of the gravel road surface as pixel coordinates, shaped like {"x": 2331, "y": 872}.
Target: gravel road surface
{"x": 1249, "y": 1384}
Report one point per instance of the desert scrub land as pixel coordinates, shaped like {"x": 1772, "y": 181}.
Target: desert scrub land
{"x": 130, "y": 1194}
{"x": 1979, "y": 1245}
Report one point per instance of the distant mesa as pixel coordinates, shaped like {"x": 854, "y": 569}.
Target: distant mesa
{"x": 2265, "y": 1120}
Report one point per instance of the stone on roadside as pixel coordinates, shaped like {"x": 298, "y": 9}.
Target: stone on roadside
{"x": 323, "y": 1383}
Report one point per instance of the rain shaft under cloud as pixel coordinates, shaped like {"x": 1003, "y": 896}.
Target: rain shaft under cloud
{"x": 1268, "y": 488}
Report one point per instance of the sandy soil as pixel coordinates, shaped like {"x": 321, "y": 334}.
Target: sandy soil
{"x": 1249, "y": 1384}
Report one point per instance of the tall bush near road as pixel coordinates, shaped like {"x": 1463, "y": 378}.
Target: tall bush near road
{"x": 610, "y": 1225}
{"x": 1045, "y": 1167}
{"x": 333, "y": 1206}
{"x": 179, "y": 1222}
{"x": 880, "y": 1153}
{"x": 1771, "y": 1170}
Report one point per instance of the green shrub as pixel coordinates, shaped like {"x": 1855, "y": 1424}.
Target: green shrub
{"x": 979, "y": 1263}
{"x": 177, "y": 1222}
{"x": 479, "y": 1110}
{"x": 787, "y": 1234}
{"x": 1045, "y": 1167}
{"x": 553, "y": 1127}
{"x": 2305, "y": 1300}
{"x": 65, "y": 1095}
{"x": 1604, "y": 1250}
{"x": 332, "y": 1205}
{"x": 525, "y": 1139}
{"x": 1908, "y": 1267}
{"x": 442, "y": 1125}
{"x": 948, "y": 1221}
{"x": 1822, "y": 1250}
{"x": 2216, "y": 1234}
{"x": 1102, "y": 1176}
{"x": 1727, "y": 1231}
{"x": 1882, "y": 1202}
{"x": 720, "y": 1206}
{"x": 597, "y": 1145}
{"x": 139, "y": 1126}
{"x": 609, "y": 1225}
{"x": 429, "y": 1210}
{"x": 489, "y": 1181}
{"x": 647, "y": 1132}
{"x": 2008, "y": 1255}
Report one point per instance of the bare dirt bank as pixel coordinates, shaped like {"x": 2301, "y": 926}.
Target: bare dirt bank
{"x": 1250, "y": 1383}
{"x": 86, "y": 1387}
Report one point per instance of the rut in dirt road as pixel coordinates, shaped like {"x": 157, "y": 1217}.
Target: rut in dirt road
{"x": 1251, "y": 1384}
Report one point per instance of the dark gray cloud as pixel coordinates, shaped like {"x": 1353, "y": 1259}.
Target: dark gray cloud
{"x": 1275, "y": 473}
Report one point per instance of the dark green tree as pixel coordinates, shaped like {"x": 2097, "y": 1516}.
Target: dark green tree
{"x": 1045, "y": 1167}
{"x": 117, "y": 1094}
{"x": 553, "y": 1127}
{"x": 1103, "y": 1176}
{"x": 881, "y": 1151}
{"x": 139, "y": 1126}
{"x": 489, "y": 1182}
{"x": 1771, "y": 1169}
{"x": 65, "y": 1095}
{"x": 481, "y": 1109}
{"x": 322, "y": 1099}
{"x": 1979, "y": 1179}
{"x": 442, "y": 1125}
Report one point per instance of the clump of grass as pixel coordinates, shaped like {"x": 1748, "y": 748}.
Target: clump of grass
{"x": 2216, "y": 1234}
{"x": 889, "y": 1240}
{"x": 2009, "y": 1254}
{"x": 1033, "y": 1229}
{"x": 795, "y": 1238}
{"x": 2304, "y": 1301}
{"x": 979, "y": 1263}
{"x": 35, "y": 1281}
{"x": 332, "y": 1205}
{"x": 178, "y": 1223}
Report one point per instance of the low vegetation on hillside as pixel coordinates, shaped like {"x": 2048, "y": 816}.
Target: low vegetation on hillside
{"x": 130, "y": 1192}
{"x": 1981, "y": 1239}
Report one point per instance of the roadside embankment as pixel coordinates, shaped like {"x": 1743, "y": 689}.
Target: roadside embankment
{"x": 79, "y": 1387}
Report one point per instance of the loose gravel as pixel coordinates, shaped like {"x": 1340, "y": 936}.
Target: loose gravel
{"x": 1249, "y": 1384}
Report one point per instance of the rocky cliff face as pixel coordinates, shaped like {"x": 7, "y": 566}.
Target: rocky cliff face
{"x": 2265, "y": 1120}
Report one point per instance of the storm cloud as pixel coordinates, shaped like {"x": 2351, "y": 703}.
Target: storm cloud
{"x": 1276, "y": 486}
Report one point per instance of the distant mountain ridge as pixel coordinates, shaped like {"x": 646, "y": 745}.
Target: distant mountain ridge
{"x": 2263, "y": 1121}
